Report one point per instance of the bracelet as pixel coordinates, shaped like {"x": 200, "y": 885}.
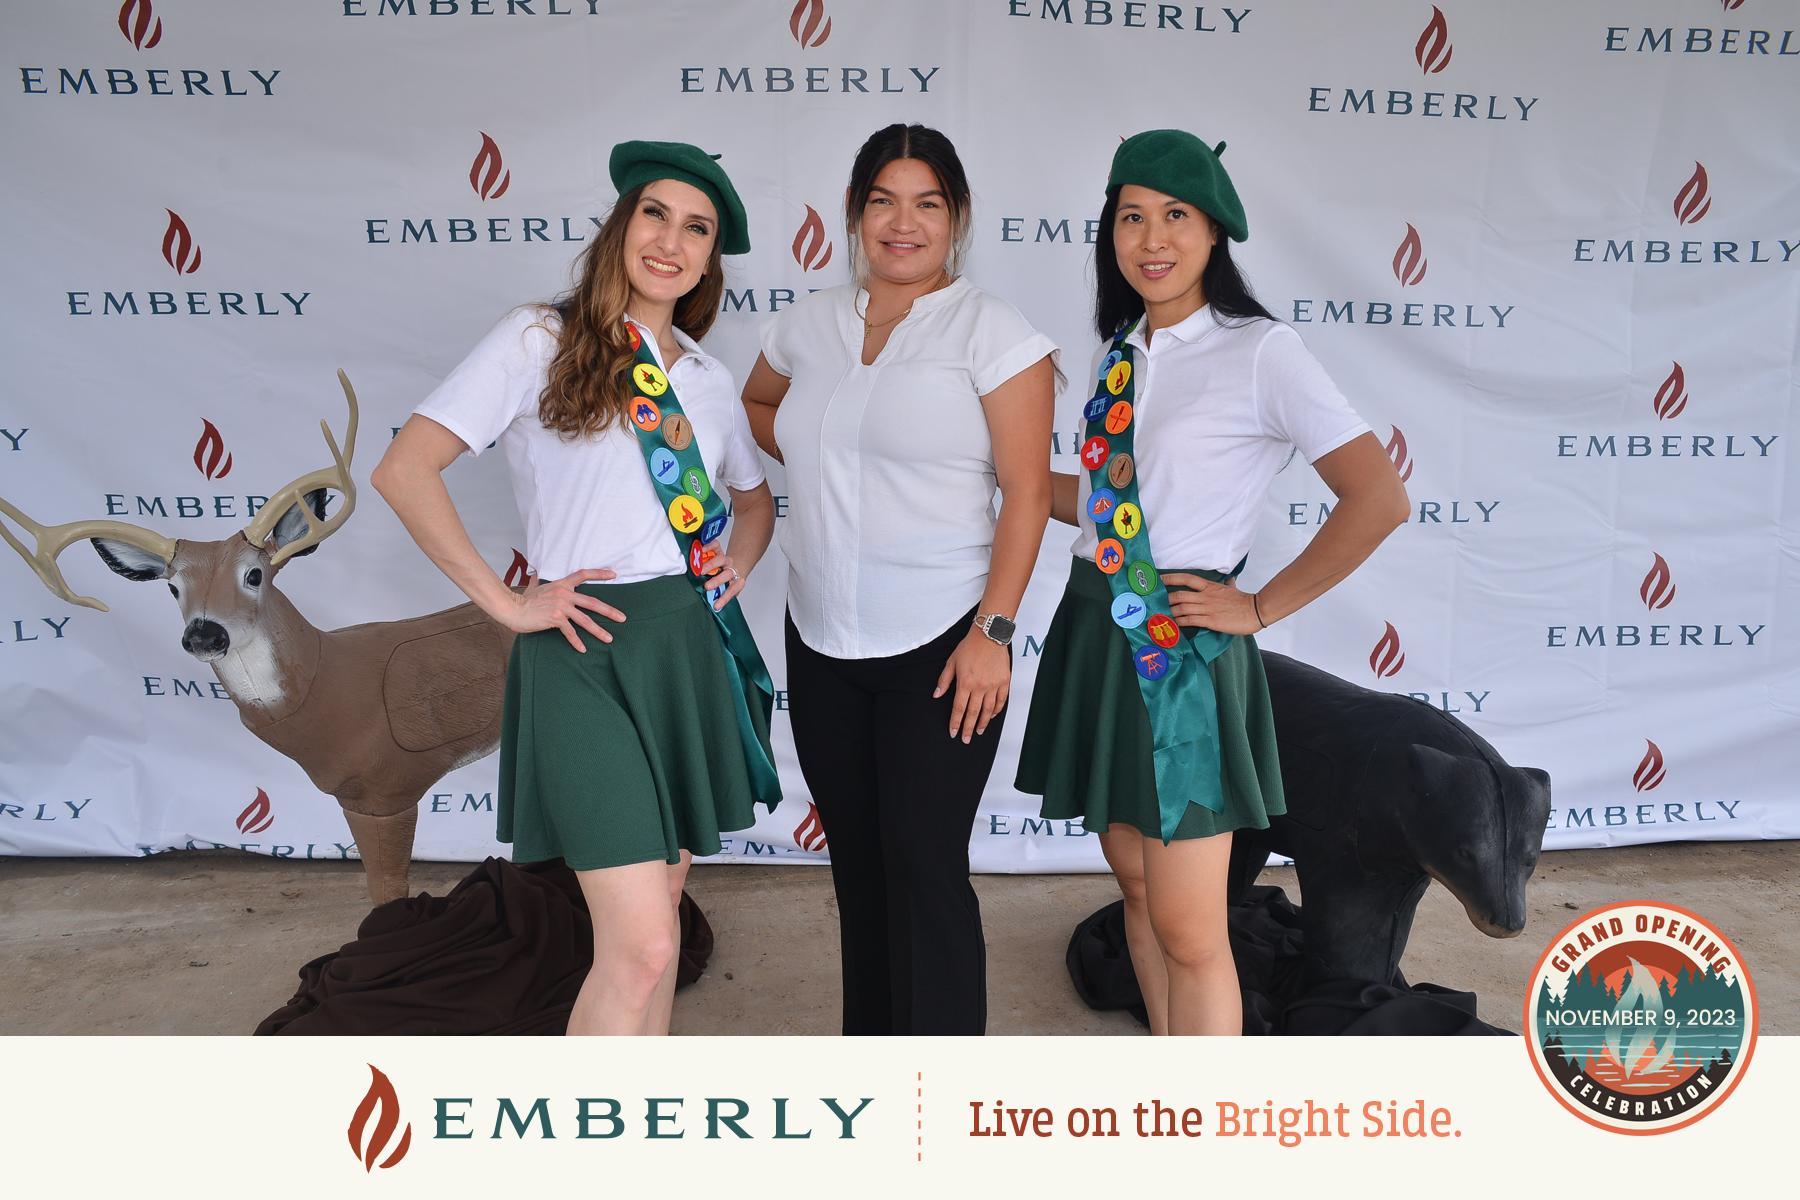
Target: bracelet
{"x": 1257, "y": 609}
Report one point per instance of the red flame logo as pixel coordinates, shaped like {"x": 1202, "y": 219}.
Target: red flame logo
{"x": 210, "y": 457}
{"x": 1409, "y": 259}
{"x": 1433, "y": 49}
{"x": 809, "y": 24}
{"x": 257, "y": 816}
{"x": 812, "y": 250}
{"x": 809, "y": 834}
{"x": 1396, "y": 449}
{"x": 1730, "y": 5}
{"x": 488, "y": 174}
{"x": 519, "y": 573}
{"x": 1649, "y": 773}
{"x": 179, "y": 248}
{"x": 1691, "y": 202}
{"x": 1386, "y": 658}
{"x": 1658, "y": 587}
{"x": 140, "y": 25}
{"x": 380, "y": 1095}
{"x": 1671, "y": 397}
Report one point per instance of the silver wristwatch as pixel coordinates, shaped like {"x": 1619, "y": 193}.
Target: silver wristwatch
{"x": 996, "y": 628}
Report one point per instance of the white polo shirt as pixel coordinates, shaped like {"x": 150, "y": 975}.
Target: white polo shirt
{"x": 1219, "y": 407}
{"x": 890, "y": 467}
{"x": 589, "y": 502}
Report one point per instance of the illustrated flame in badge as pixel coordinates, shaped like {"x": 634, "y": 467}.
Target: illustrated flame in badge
{"x": 1671, "y": 397}
{"x": 1396, "y": 449}
{"x": 1409, "y": 259}
{"x": 519, "y": 573}
{"x": 140, "y": 24}
{"x": 809, "y": 834}
{"x": 488, "y": 174}
{"x": 809, "y": 24}
{"x": 179, "y": 249}
{"x": 257, "y": 816}
{"x": 1649, "y": 771}
{"x": 210, "y": 456}
{"x": 1692, "y": 202}
{"x": 1386, "y": 658}
{"x": 380, "y": 1096}
{"x": 1658, "y": 587}
{"x": 1433, "y": 49}
{"x": 812, "y": 249}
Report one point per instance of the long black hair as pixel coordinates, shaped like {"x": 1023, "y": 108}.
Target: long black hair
{"x": 895, "y": 142}
{"x": 1116, "y": 303}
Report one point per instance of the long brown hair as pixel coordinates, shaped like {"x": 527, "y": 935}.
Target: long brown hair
{"x": 586, "y": 390}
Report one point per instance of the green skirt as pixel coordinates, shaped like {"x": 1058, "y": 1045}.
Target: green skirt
{"x": 1087, "y": 746}
{"x": 630, "y": 752}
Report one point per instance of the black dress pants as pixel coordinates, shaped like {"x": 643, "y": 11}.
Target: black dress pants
{"x": 897, "y": 796}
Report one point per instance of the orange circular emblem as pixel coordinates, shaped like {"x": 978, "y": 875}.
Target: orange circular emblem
{"x": 1109, "y": 556}
{"x": 645, "y": 414}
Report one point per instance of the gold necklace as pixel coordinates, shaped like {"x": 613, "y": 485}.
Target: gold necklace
{"x": 870, "y": 327}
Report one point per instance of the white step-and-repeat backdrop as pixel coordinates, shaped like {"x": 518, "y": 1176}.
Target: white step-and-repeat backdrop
{"x": 1550, "y": 251}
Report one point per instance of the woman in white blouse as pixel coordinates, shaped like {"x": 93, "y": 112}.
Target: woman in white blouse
{"x": 897, "y": 408}
{"x": 621, "y": 747}
{"x": 1150, "y": 717}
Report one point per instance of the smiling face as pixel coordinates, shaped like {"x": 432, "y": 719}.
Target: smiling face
{"x": 668, "y": 242}
{"x": 906, "y": 228}
{"x": 1163, "y": 245}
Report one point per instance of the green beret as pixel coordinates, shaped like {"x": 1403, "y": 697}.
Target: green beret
{"x": 636, "y": 163}
{"x": 1176, "y": 163}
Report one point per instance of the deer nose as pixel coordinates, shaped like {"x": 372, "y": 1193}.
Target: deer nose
{"x": 205, "y": 638}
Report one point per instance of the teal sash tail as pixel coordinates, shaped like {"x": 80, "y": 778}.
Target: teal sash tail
{"x": 697, "y": 517}
{"x": 1173, "y": 679}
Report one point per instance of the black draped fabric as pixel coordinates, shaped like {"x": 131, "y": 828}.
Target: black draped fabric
{"x": 504, "y": 952}
{"x": 1279, "y": 998}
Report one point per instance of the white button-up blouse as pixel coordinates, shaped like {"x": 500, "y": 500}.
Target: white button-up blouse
{"x": 890, "y": 467}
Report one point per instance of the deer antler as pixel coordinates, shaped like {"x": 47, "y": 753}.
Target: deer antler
{"x": 294, "y": 494}
{"x": 52, "y": 540}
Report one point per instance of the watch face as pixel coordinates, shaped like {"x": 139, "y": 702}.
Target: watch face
{"x": 1001, "y": 630}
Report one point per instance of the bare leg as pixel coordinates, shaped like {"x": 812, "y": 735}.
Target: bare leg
{"x": 1123, "y": 846}
{"x": 662, "y": 1005}
{"x": 634, "y": 945}
{"x": 1185, "y": 882}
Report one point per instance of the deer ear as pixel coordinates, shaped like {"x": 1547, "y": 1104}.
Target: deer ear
{"x": 292, "y": 525}
{"x": 133, "y": 562}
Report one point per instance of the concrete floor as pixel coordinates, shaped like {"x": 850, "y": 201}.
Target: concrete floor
{"x": 209, "y": 942}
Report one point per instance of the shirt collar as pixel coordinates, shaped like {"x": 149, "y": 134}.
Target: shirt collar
{"x": 690, "y": 348}
{"x": 1189, "y": 329}
{"x": 925, "y": 303}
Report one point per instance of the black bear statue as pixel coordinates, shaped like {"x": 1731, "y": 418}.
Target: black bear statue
{"x": 1384, "y": 794}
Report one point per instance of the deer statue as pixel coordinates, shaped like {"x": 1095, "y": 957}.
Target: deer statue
{"x": 374, "y": 714}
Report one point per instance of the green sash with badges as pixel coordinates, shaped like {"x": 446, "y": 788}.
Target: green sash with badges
{"x": 696, "y": 514}
{"x": 1172, "y": 671}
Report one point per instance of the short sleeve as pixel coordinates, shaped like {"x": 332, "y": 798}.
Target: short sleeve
{"x": 741, "y": 465}
{"x": 1297, "y": 401}
{"x": 1004, "y": 343}
{"x": 777, "y": 342}
{"x": 498, "y": 382}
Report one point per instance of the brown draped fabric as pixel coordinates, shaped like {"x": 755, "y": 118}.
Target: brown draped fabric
{"x": 504, "y": 952}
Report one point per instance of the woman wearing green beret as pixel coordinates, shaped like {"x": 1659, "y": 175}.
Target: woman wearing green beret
{"x": 1150, "y": 718}
{"x": 636, "y": 716}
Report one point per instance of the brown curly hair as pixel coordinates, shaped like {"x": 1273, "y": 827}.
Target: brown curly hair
{"x": 586, "y": 390}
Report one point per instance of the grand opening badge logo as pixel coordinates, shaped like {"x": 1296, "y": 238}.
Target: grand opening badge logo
{"x": 1641, "y": 1017}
